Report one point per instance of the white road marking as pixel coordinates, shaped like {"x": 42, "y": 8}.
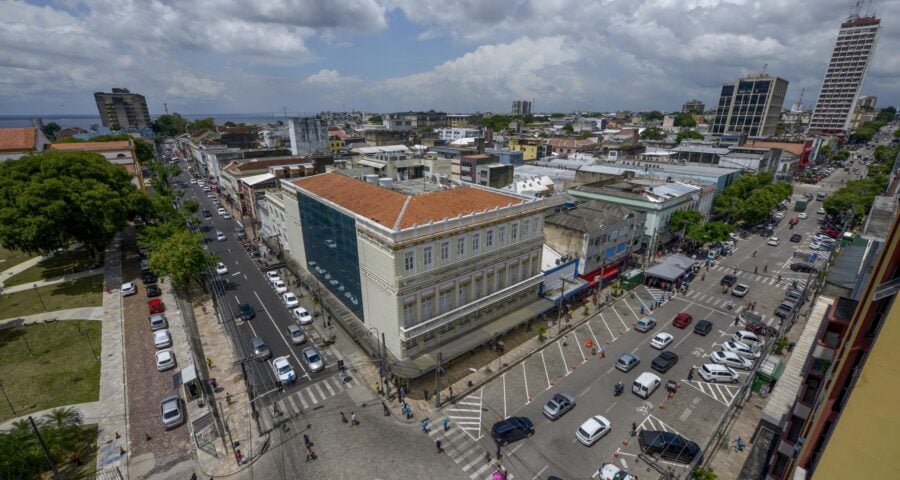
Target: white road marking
{"x": 563, "y": 356}
{"x": 546, "y": 372}
{"x": 288, "y": 345}
{"x": 525, "y": 377}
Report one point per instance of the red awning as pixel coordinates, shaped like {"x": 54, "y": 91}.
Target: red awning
{"x": 610, "y": 273}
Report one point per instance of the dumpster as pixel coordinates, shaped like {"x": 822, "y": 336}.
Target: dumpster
{"x": 631, "y": 279}
{"x": 770, "y": 370}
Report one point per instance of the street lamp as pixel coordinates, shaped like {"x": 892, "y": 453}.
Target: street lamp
{"x": 25, "y": 339}
{"x": 86, "y": 332}
{"x": 39, "y": 296}
{"x": 7, "y": 398}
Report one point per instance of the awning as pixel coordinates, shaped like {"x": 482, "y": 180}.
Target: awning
{"x": 372, "y": 163}
{"x": 185, "y": 375}
{"x": 605, "y": 273}
{"x": 610, "y": 273}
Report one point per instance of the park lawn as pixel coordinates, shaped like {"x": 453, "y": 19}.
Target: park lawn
{"x": 83, "y": 292}
{"x": 11, "y": 258}
{"x": 63, "y": 263}
{"x": 62, "y": 370}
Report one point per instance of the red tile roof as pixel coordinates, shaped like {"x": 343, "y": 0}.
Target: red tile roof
{"x": 386, "y": 206}
{"x": 17, "y": 139}
{"x": 93, "y": 146}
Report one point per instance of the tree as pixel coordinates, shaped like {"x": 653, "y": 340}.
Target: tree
{"x": 653, "y": 116}
{"x": 653, "y": 133}
{"x": 54, "y": 198}
{"x": 897, "y": 133}
{"x": 190, "y": 206}
{"x": 50, "y": 129}
{"x": 685, "y": 120}
{"x": 703, "y": 473}
{"x": 568, "y": 128}
{"x": 208, "y": 123}
{"x": 376, "y": 120}
{"x": 170, "y": 125}
{"x": 886, "y": 115}
{"x": 684, "y": 218}
{"x": 179, "y": 255}
{"x": 230, "y": 124}
{"x": 688, "y": 134}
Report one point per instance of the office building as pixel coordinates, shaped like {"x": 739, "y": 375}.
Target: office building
{"x": 845, "y": 75}
{"x": 440, "y": 270}
{"x": 693, "y": 106}
{"x": 751, "y": 105}
{"x": 521, "y": 107}
{"x": 408, "y": 121}
{"x": 122, "y": 109}
{"x": 308, "y": 135}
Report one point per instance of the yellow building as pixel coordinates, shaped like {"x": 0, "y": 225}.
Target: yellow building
{"x": 335, "y": 144}
{"x": 531, "y": 148}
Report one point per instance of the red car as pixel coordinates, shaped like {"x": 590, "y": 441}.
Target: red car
{"x": 156, "y": 306}
{"x": 682, "y": 320}
{"x": 831, "y": 232}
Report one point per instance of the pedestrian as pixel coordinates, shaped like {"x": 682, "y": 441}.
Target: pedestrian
{"x": 633, "y": 429}
{"x": 424, "y": 425}
{"x": 209, "y": 362}
{"x": 739, "y": 444}
{"x": 702, "y": 277}
{"x": 756, "y": 269}
{"x": 343, "y": 417}
{"x": 310, "y": 455}
{"x": 566, "y": 340}
{"x": 487, "y": 458}
{"x": 451, "y": 391}
{"x": 446, "y": 424}
{"x": 306, "y": 440}
{"x": 602, "y": 352}
{"x": 353, "y": 421}
{"x": 499, "y": 453}
{"x": 691, "y": 375}
{"x": 425, "y": 393}
{"x": 737, "y": 320}
{"x": 765, "y": 268}
{"x": 437, "y": 444}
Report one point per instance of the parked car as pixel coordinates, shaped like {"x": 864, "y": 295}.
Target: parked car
{"x": 313, "y": 359}
{"x": 246, "y": 311}
{"x": 272, "y": 275}
{"x": 803, "y": 267}
{"x": 260, "y": 349}
{"x": 171, "y": 411}
{"x": 284, "y": 372}
{"x": 149, "y": 278}
{"x": 162, "y": 339}
{"x": 785, "y": 308}
{"x": 740, "y": 290}
{"x": 742, "y": 349}
{"x": 682, "y": 320}
{"x": 156, "y": 306}
{"x": 221, "y": 211}
{"x": 661, "y": 340}
{"x": 207, "y": 213}
{"x": 280, "y": 286}
{"x": 303, "y": 317}
{"x": 748, "y": 338}
{"x": 221, "y": 269}
{"x": 668, "y": 445}
{"x": 730, "y": 359}
{"x": 158, "y": 322}
{"x": 703, "y": 327}
{"x": 296, "y": 335}
{"x": 803, "y": 215}
{"x": 153, "y": 291}
{"x": 627, "y": 361}
{"x": 511, "y": 430}
{"x": 290, "y": 300}
{"x": 796, "y": 238}
{"x": 831, "y": 232}
{"x": 609, "y": 471}
{"x": 728, "y": 280}
{"x": 129, "y": 289}
{"x": 558, "y": 405}
{"x": 593, "y": 429}
{"x": 773, "y": 241}
{"x": 664, "y": 361}
{"x": 644, "y": 324}
{"x": 712, "y": 372}
{"x": 165, "y": 359}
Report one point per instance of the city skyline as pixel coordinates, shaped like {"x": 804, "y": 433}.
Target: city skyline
{"x": 397, "y": 55}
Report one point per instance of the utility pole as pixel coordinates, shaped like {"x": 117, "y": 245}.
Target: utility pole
{"x": 562, "y": 294}
{"x": 437, "y": 380}
{"x": 7, "y": 398}
{"x": 56, "y": 474}
{"x": 39, "y": 296}
{"x": 386, "y": 380}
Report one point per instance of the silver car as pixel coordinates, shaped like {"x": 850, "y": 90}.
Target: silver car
{"x": 645, "y": 324}
{"x": 313, "y": 359}
{"x": 558, "y": 406}
{"x": 172, "y": 414}
{"x": 261, "y": 351}
{"x": 296, "y": 334}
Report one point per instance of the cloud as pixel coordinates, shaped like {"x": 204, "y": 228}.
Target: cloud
{"x": 329, "y": 78}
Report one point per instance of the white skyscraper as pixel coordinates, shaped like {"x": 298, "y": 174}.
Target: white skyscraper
{"x": 845, "y": 75}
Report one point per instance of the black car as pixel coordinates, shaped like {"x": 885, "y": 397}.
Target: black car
{"x": 728, "y": 280}
{"x": 153, "y": 291}
{"x": 246, "y": 311}
{"x": 668, "y": 445}
{"x": 803, "y": 267}
{"x": 512, "y": 429}
{"x": 149, "y": 278}
{"x": 207, "y": 213}
{"x": 703, "y": 327}
{"x": 664, "y": 361}
{"x": 796, "y": 238}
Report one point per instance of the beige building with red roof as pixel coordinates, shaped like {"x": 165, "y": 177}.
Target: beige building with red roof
{"x": 18, "y": 142}
{"x": 443, "y": 270}
{"x": 120, "y": 152}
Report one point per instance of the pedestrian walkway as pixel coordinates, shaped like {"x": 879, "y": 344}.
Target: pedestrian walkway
{"x": 90, "y": 413}
{"x": 301, "y": 401}
{"x": 82, "y": 313}
{"x": 53, "y": 281}
{"x": 466, "y": 452}
{"x": 5, "y": 274}
{"x": 112, "y": 432}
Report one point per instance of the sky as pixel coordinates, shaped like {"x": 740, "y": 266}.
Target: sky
{"x": 459, "y": 56}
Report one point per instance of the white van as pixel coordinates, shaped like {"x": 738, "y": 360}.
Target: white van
{"x": 748, "y": 338}
{"x": 645, "y": 384}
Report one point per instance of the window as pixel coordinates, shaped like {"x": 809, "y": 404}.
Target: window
{"x": 463, "y": 293}
{"x": 409, "y": 261}
{"x": 475, "y": 239}
{"x": 409, "y": 313}
{"x": 428, "y": 336}
{"x": 526, "y": 229}
{"x": 427, "y": 308}
{"x": 445, "y": 251}
{"x": 446, "y": 302}
{"x": 489, "y": 239}
{"x": 426, "y": 257}
{"x": 460, "y": 246}
{"x": 502, "y": 234}
{"x": 513, "y": 232}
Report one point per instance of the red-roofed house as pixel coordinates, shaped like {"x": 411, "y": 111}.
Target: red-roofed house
{"x": 443, "y": 270}
{"x": 18, "y": 142}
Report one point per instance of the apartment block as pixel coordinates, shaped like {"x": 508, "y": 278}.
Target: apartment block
{"x": 521, "y": 107}
{"x": 122, "y": 109}
{"x": 751, "y": 105}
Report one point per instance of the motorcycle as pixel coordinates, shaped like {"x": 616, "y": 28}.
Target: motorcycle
{"x": 730, "y": 304}
{"x": 620, "y": 387}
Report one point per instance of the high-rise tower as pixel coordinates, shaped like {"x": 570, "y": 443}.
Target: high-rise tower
{"x": 846, "y": 73}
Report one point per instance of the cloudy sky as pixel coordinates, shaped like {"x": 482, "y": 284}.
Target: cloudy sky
{"x": 230, "y": 56}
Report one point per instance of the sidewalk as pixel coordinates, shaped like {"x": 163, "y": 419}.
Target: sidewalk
{"x": 112, "y": 431}
{"x": 82, "y": 313}
{"x": 20, "y": 268}
{"x": 90, "y": 412}
{"x": 52, "y": 281}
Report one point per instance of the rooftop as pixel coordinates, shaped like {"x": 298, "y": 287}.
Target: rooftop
{"x": 264, "y": 163}
{"x": 382, "y": 149}
{"x": 397, "y": 210}
{"x": 17, "y": 139}
{"x": 93, "y": 146}
{"x": 590, "y": 216}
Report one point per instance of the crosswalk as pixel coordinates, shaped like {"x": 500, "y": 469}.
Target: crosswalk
{"x": 303, "y": 400}
{"x": 764, "y": 279}
{"x": 466, "y": 452}
{"x": 466, "y": 414}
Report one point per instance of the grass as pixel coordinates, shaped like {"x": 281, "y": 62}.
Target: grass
{"x": 11, "y": 258}
{"x": 63, "y": 263}
{"x": 83, "y": 292}
{"x": 62, "y": 370}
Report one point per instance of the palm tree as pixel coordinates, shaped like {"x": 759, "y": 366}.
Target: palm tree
{"x": 65, "y": 416}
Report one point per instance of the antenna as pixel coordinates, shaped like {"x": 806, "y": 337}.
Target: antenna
{"x": 166, "y": 108}
{"x": 765, "y": 67}
{"x": 855, "y": 9}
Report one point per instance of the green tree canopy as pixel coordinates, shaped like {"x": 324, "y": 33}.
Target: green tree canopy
{"x": 176, "y": 252}
{"x": 568, "y": 128}
{"x": 201, "y": 123}
{"x": 170, "y": 125}
{"x": 54, "y": 198}
{"x": 50, "y": 129}
{"x": 703, "y": 473}
{"x": 230, "y": 124}
{"x": 376, "y": 120}
{"x": 653, "y": 116}
{"x": 653, "y": 133}
{"x": 688, "y": 134}
{"x": 685, "y": 120}
{"x": 684, "y": 218}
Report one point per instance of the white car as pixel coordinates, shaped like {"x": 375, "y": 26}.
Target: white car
{"x": 272, "y": 275}
{"x": 741, "y": 349}
{"x": 803, "y": 215}
{"x": 774, "y": 241}
{"x": 303, "y": 317}
{"x": 778, "y": 215}
{"x": 220, "y": 235}
{"x": 732, "y": 360}
{"x": 820, "y": 211}
{"x": 821, "y": 237}
{"x": 661, "y": 340}
{"x": 165, "y": 359}
{"x": 193, "y": 181}
{"x": 129, "y": 289}
{"x": 162, "y": 339}
{"x": 592, "y": 429}
{"x": 280, "y": 286}
{"x": 284, "y": 372}
{"x": 712, "y": 372}
{"x": 226, "y": 216}
{"x": 611, "y": 472}
{"x": 290, "y": 300}
{"x": 221, "y": 211}
{"x": 740, "y": 290}
{"x": 221, "y": 269}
